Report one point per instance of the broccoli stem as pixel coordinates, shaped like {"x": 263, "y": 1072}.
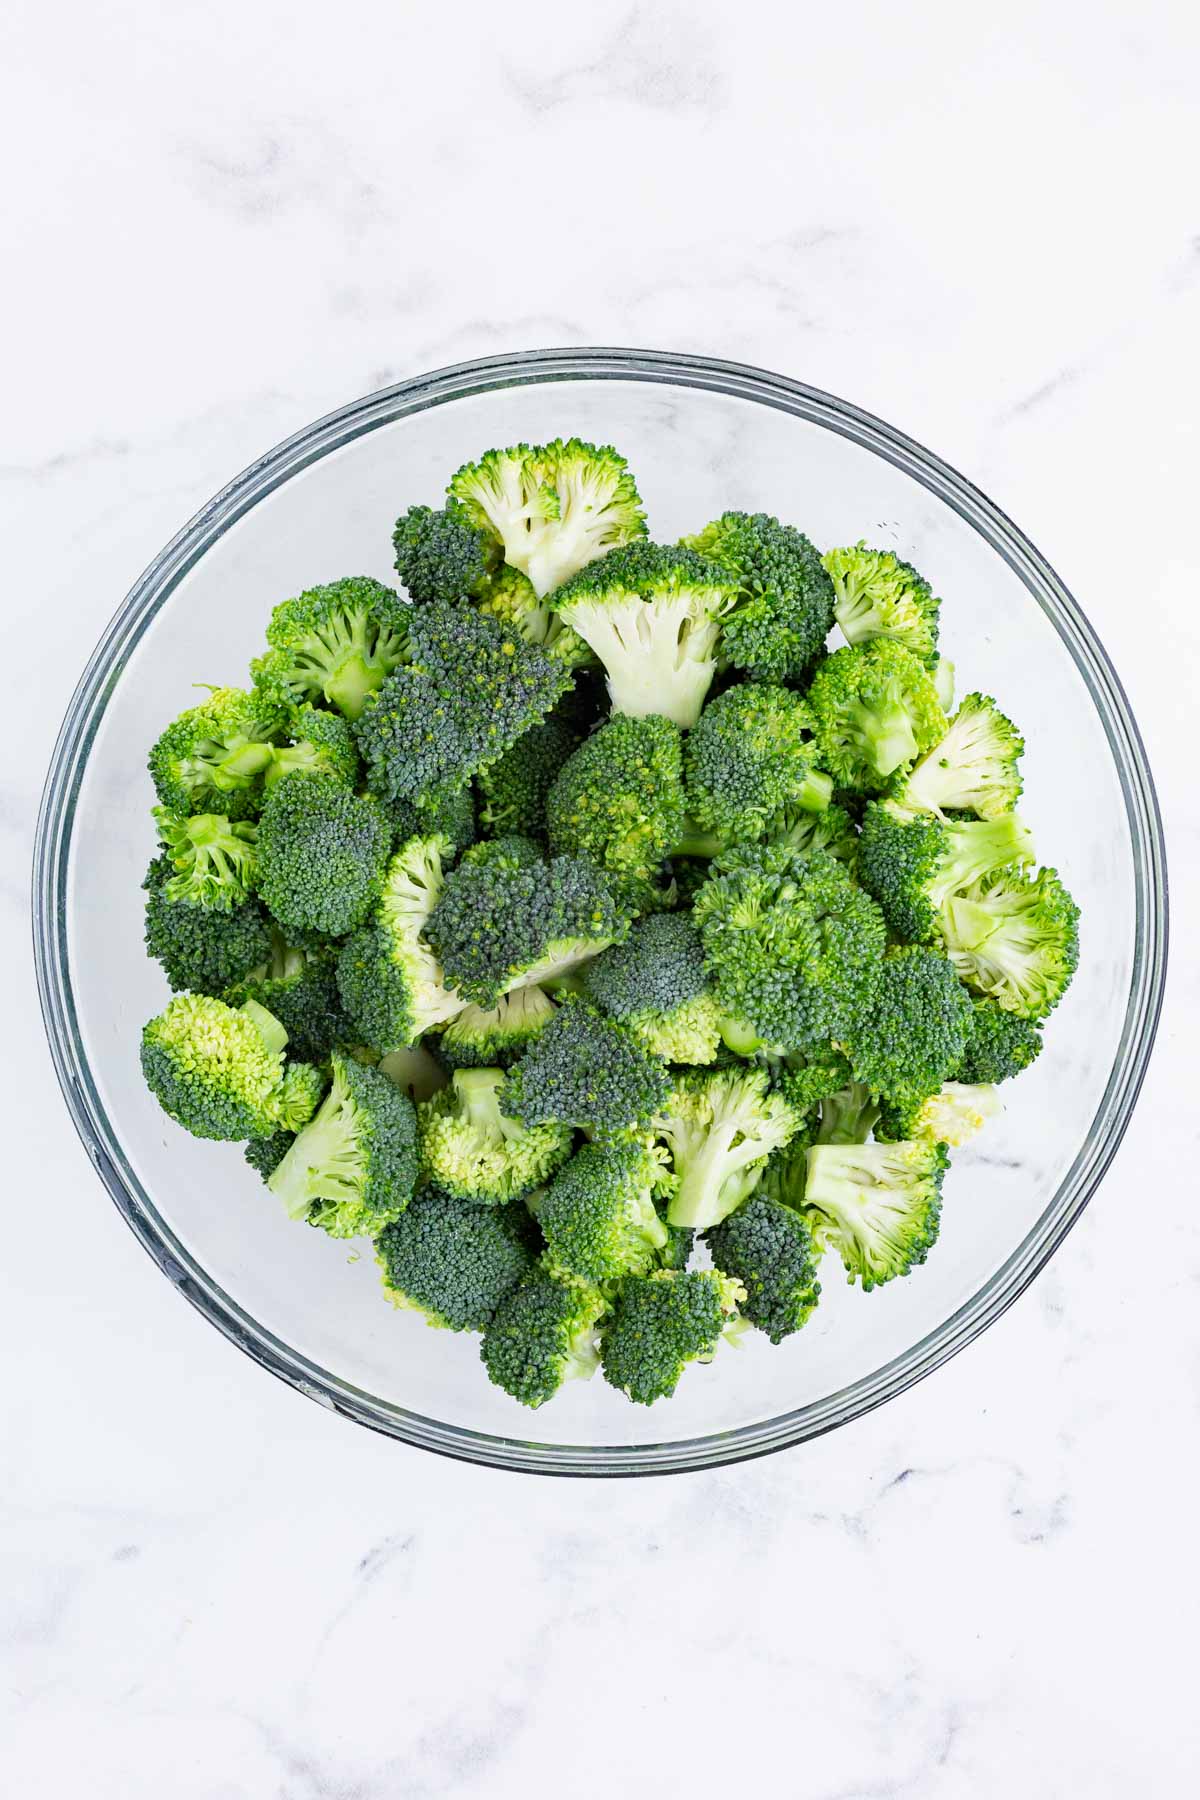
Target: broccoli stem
{"x": 887, "y": 733}
{"x": 267, "y": 1025}
{"x": 815, "y": 792}
{"x": 351, "y": 685}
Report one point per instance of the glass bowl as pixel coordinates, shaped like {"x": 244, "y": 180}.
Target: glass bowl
{"x": 701, "y": 436}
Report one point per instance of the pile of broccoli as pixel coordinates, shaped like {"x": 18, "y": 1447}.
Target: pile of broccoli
{"x": 585, "y": 930}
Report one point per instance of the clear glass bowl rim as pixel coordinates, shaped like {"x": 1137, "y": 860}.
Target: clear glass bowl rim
{"x": 51, "y": 861}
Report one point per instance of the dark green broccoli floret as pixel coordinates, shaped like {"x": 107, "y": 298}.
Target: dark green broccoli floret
{"x": 719, "y": 1128}
{"x": 598, "y": 1215}
{"x": 586, "y": 1070}
{"x": 265, "y": 1154}
{"x": 659, "y": 1323}
{"x": 513, "y": 789}
{"x": 999, "y": 1044}
{"x": 300, "y": 988}
{"x": 805, "y": 1079}
{"x": 470, "y": 1149}
{"x": 335, "y": 644}
{"x": 913, "y": 866}
{"x": 785, "y": 599}
{"x": 451, "y": 1261}
{"x": 912, "y": 1037}
{"x": 321, "y": 854}
{"x": 800, "y": 831}
{"x": 876, "y": 595}
{"x": 877, "y": 1206}
{"x": 319, "y": 743}
{"x": 219, "y": 1071}
{"x": 974, "y": 768}
{"x": 618, "y": 798}
{"x": 494, "y": 1038}
{"x": 1015, "y": 938}
{"x": 793, "y": 947}
{"x": 769, "y": 1249}
{"x": 653, "y": 616}
{"x": 214, "y": 860}
{"x": 202, "y": 948}
{"x": 655, "y": 983}
{"x": 441, "y": 555}
{"x": 473, "y": 689}
{"x": 212, "y": 758}
{"x": 553, "y": 507}
{"x": 390, "y": 982}
{"x": 499, "y": 926}
{"x": 542, "y": 1333}
{"x": 354, "y": 1166}
{"x": 445, "y": 812}
{"x": 874, "y": 710}
{"x": 749, "y": 757}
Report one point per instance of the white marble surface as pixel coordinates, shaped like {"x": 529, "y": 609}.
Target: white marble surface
{"x": 224, "y": 220}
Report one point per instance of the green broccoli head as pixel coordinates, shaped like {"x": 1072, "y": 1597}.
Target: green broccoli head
{"x": 719, "y": 1127}
{"x": 542, "y": 1333}
{"x": 914, "y": 865}
{"x": 876, "y": 1205}
{"x": 618, "y": 798}
{"x": 784, "y": 610}
{"x": 391, "y": 984}
{"x": 598, "y": 1214}
{"x": 213, "y": 859}
{"x": 442, "y": 555}
{"x": 319, "y": 743}
{"x": 219, "y": 1071}
{"x": 514, "y": 788}
{"x": 445, "y": 812}
{"x": 874, "y": 711}
{"x": 551, "y": 508}
{"x": 1015, "y": 938}
{"x": 494, "y": 1037}
{"x": 655, "y": 983}
{"x": 974, "y": 768}
{"x": 953, "y": 1115}
{"x": 472, "y": 690}
{"x": 806, "y": 1078}
{"x": 769, "y": 1249}
{"x": 213, "y": 757}
{"x": 322, "y": 852}
{"x": 653, "y": 616}
{"x": 511, "y": 599}
{"x": 999, "y": 1044}
{"x": 334, "y": 645}
{"x": 800, "y": 831}
{"x": 472, "y": 1150}
{"x": 661, "y": 1322}
{"x": 750, "y": 757}
{"x": 877, "y": 595}
{"x": 353, "y": 1168}
{"x": 202, "y": 948}
{"x": 512, "y": 851}
{"x": 588, "y": 1071}
{"x": 264, "y": 1155}
{"x": 912, "y": 1037}
{"x": 300, "y": 988}
{"x": 793, "y": 948}
{"x": 451, "y": 1261}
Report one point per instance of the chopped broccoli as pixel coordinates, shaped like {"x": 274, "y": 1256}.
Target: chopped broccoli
{"x": 585, "y": 1070}
{"x": 354, "y": 1166}
{"x": 877, "y": 595}
{"x": 511, "y": 599}
{"x": 800, "y": 831}
{"x": 769, "y": 1249}
{"x": 598, "y": 1215}
{"x": 874, "y": 711}
{"x": 300, "y": 988}
{"x": 213, "y": 757}
{"x": 472, "y": 1150}
{"x": 655, "y": 983}
{"x": 513, "y": 789}
{"x": 442, "y": 555}
{"x": 719, "y": 1128}
{"x": 334, "y": 645}
{"x": 749, "y": 757}
{"x": 319, "y": 743}
{"x": 451, "y": 1261}
{"x": 784, "y": 610}
{"x": 805, "y": 1079}
{"x": 202, "y": 948}
{"x": 444, "y": 812}
{"x": 391, "y": 984}
{"x": 914, "y": 866}
{"x": 653, "y": 617}
{"x": 494, "y": 1038}
{"x": 512, "y": 851}
{"x": 974, "y": 768}
{"x": 953, "y": 1115}
{"x": 321, "y": 854}
{"x": 877, "y": 1205}
{"x": 542, "y": 1333}
{"x": 551, "y": 508}
{"x": 618, "y": 798}
{"x": 912, "y": 1037}
{"x": 214, "y": 860}
{"x": 219, "y": 1071}
{"x": 1015, "y": 937}
{"x": 265, "y": 1154}
{"x": 999, "y": 1045}
{"x": 661, "y": 1322}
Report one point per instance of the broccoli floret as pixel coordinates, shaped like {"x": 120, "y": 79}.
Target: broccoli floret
{"x": 321, "y": 855}
{"x": 353, "y": 1168}
{"x": 320, "y": 743}
{"x": 451, "y": 1261}
{"x": 512, "y": 851}
{"x": 543, "y": 1333}
{"x": 498, "y": 925}
{"x": 551, "y": 507}
{"x": 661, "y": 1322}
{"x": 847, "y": 1116}
{"x": 784, "y": 610}
{"x": 265, "y": 1154}
{"x": 1015, "y": 937}
{"x": 769, "y": 1249}
{"x": 951, "y": 1116}
{"x": 800, "y": 832}
{"x": 390, "y": 982}
{"x": 806, "y": 1079}
{"x": 219, "y": 1071}
{"x": 470, "y": 1149}
{"x": 202, "y": 948}
{"x": 214, "y": 860}
{"x": 598, "y": 1215}
{"x": 793, "y": 948}
{"x": 511, "y": 600}
{"x": 513, "y": 789}
{"x": 444, "y": 812}
{"x": 586, "y": 1070}
{"x": 999, "y": 1045}
{"x": 720, "y": 1127}
{"x": 655, "y": 983}
{"x": 494, "y": 1038}
{"x": 653, "y": 617}
{"x": 913, "y": 866}
{"x": 912, "y": 1037}
{"x": 874, "y": 711}
{"x": 877, "y": 1205}
{"x": 300, "y": 988}
{"x": 749, "y": 757}
{"x": 473, "y": 689}
{"x": 213, "y": 757}
{"x": 877, "y": 595}
{"x": 335, "y": 644}
{"x": 618, "y": 798}
{"x": 441, "y": 555}
{"x": 973, "y": 769}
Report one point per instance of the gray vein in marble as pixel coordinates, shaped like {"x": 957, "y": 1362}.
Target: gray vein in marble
{"x": 655, "y": 57}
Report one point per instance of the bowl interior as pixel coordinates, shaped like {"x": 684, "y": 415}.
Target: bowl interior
{"x": 698, "y": 444}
